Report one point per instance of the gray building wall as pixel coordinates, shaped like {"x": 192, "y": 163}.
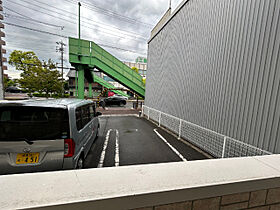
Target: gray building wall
{"x": 217, "y": 64}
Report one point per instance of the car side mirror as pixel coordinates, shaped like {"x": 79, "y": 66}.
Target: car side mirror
{"x": 98, "y": 114}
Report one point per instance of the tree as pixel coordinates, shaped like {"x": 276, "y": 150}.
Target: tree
{"x": 135, "y": 69}
{"x": 9, "y": 82}
{"x": 40, "y": 76}
{"x": 6, "y": 82}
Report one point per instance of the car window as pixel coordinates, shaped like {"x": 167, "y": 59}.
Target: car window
{"x": 33, "y": 123}
{"x": 85, "y": 115}
{"x": 92, "y": 111}
{"x": 79, "y": 123}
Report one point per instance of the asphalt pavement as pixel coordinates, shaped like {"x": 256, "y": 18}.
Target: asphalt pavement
{"x": 130, "y": 140}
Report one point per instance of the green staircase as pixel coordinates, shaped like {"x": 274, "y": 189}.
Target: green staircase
{"x": 109, "y": 86}
{"x": 90, "y": 55}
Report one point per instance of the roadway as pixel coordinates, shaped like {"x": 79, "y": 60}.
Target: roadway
{"x": 129, "y": 140}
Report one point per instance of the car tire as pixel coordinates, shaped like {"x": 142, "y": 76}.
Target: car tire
{"x": 80, "y": 163}
{"x": 122, "y": 103}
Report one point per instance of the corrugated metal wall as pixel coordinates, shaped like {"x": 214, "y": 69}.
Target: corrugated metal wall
{"x": 217, "y": 64}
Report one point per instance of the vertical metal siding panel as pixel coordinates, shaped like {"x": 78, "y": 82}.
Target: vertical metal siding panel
{"x": 267, "y": 90}
{"x": 272, "y": 115}
{"x": 227, "y": 73}
{"x": 216, "y": 64}
{"x": 232, "y": 70}
{"x": 255, "y": 74}
{"x": 251, "y": 72}
{"x": 212, "y": 62}
{"x": 223, "y": 46}
{"x": 244, "y": 79}
{"x": 274, "y": 134}
{"x": 240, "y": 71}
{"x": 257, "y": 87}
{"x": 264, "y": 75}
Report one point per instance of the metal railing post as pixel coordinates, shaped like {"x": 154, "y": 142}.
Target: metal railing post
{"x": 180, "y": 128}
{"x": 224, "y": 147}
{"x": 159, "y": 119}
{"x": 148, "y": 113}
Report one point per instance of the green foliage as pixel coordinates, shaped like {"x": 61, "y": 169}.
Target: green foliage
{"x": 66, "y": 85}
{"x": 39, "y": 76}
{"x": 24, "y": 60}
{"x": 135, "y": 69}
{"x": 9, "y": 82}
{"x": 6, "y": 80}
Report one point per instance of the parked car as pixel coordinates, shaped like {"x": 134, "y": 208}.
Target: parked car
{"x": 124, "y": 97}
{"x": 44, "y": 135}
{"x": 13, "y": 89}
{"x": 113, "y": 100}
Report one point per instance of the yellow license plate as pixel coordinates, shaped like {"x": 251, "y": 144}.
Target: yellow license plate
{"x": 27, "y": 158}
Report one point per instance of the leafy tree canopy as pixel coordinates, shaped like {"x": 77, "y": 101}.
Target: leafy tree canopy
{"x": 37, "y": 76}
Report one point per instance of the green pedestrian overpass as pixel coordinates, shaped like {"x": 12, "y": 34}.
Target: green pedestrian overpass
{"x": 86, "y": 55}
{"x": 107, "y": 85}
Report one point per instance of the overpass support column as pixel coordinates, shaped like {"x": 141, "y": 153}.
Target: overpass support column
{"x": 90, "y": 90}
{"x": 81, "y": 82}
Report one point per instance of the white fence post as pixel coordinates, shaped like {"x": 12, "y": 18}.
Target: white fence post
{"x": 159, "y": 119}
{"x": 148, "y": 113}
{"x": 180, "y": 128}
{"x": 224, "y": 147}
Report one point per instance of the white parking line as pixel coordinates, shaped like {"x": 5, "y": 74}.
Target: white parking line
{"x": 174, "y": 150}
{"x": 117, "y": 153}
{"x": 102, "y": 157}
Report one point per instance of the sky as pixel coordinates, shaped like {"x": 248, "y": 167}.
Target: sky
{"x": 121, "y": 27}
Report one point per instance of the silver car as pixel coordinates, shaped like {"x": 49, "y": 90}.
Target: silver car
{"x": 44, "y": 135}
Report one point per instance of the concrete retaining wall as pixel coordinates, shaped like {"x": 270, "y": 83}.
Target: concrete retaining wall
{"x": 246, "y": 182}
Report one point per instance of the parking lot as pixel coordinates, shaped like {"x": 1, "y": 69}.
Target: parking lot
{"x": 130, "y": 140}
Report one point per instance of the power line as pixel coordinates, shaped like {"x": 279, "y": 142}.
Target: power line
{"x": 32, "y": 29}
{"x": 104, "y": 44}
{"x": 15, "y": 45}
{"x": 60, "y": 26}
{"x": 69, "y": 21}
{"x": 90, "y": 20}
{"x": 117, "y": 48}
{"x": 32, "y": 64}
{"x": 100, "y": 41}
{"x": 31, "y": 19}
{"x": 111, "y": 13}
{"x": 50, "y": 33}
{"x": 7, "y": 15}
{"x": 13, "y": 37}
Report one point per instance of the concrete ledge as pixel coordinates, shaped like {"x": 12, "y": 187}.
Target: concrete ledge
{"x": 139, "y": 186}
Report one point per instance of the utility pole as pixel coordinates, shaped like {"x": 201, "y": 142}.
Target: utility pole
{"x": 60, "y": 48}
{"x": 81, "y": 73}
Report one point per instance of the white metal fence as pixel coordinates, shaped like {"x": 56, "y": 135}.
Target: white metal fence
{"x": 214, "y": 143}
